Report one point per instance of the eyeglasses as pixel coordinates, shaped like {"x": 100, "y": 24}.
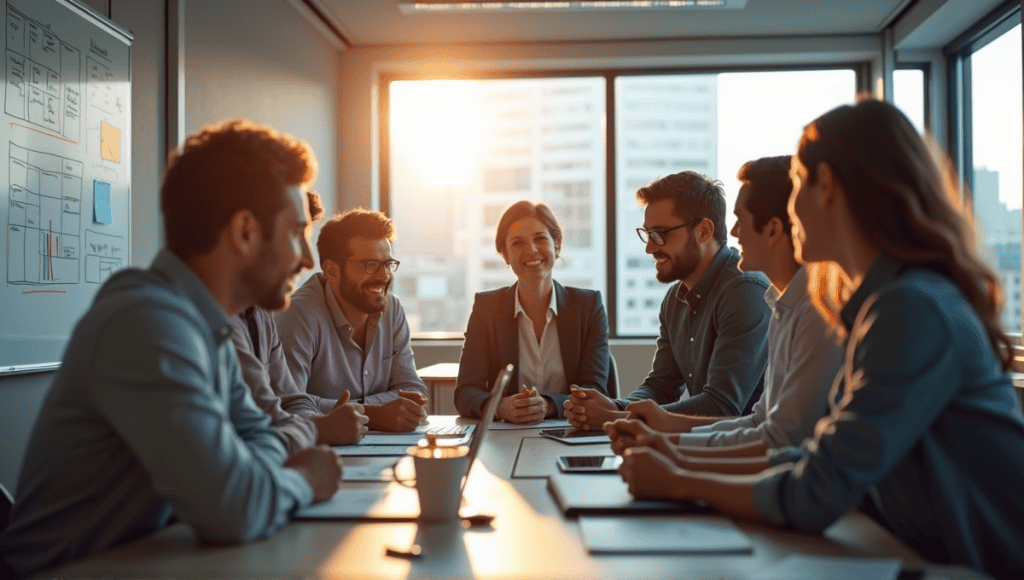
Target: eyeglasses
{"x": 373, "y": 266}
{"x": 658, "y": 236}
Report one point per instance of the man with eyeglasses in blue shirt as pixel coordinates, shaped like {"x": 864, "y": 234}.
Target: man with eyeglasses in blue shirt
{"x": 346, "y": 332}
{"x": 713, "y": 338}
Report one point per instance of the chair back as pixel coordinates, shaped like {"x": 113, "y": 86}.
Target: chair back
{"x": 6, "y": 503}
{"x": 613, "y": 377}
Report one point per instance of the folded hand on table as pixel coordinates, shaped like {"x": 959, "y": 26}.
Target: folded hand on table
{"x": 650, "y": 475}
{"x": 658, "y": 418}
{"x": 321, "y": 467}
{"x": 589, "y": 409}
{"x": 525, "y": 407}
{"x": 632, "y": 434}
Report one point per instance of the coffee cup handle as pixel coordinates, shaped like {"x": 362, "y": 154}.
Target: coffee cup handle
{"x": 410, "y": 482}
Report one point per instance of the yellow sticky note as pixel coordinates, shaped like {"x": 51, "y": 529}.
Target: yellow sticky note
{"x": 110, "y": 142}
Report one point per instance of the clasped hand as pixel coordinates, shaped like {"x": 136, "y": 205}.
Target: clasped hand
{"x": 589, "y": 409}
{"x": 525, "y": 407}
{"x": 650, "y": 461}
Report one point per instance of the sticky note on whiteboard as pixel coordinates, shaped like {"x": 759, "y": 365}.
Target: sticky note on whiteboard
{"x": 101, "y": 202}
{"x": 110, "y": 142}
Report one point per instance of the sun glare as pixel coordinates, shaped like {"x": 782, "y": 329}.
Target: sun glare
{"x": 437, "y": 125}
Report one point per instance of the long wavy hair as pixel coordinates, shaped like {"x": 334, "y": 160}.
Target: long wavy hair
{"x": 904, "y": 200}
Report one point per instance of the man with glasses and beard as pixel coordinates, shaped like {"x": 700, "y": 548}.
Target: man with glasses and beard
{"x": 713, "y": 340}
{"x": 346, "y": 332}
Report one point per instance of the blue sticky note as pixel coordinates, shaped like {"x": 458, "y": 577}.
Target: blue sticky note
{"x": 101, "y": 202}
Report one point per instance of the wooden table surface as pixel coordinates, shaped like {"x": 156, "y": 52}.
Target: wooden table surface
{"x": 529, "y": 538}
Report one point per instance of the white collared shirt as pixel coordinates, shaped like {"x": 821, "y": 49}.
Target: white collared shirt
{"x": 540, "y": 363}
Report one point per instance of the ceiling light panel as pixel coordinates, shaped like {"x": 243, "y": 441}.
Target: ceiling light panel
{"x": 450, "y": 6}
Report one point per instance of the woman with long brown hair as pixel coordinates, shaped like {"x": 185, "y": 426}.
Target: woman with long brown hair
{"x": 926, "y": 432}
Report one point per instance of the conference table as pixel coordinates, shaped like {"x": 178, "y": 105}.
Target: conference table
{"x": 528, "y": 538}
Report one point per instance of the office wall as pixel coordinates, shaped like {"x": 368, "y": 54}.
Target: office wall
{"x": 267, "y": 65}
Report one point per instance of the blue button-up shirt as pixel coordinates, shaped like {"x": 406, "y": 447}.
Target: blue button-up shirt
{"x": 926, "y": 426}
{"x": 148, "y": 416}
{"x": 712, "y": 343}
{"x": 325, "y": 360}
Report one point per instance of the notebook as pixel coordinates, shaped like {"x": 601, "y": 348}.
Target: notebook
{"x": 397, "y": 502}
{"x": 689, "y": 534}
{"x": 607, "y": 494}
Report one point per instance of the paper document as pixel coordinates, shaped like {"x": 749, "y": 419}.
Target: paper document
{"x": 370, "y": 450}
{"x": 821, "y": 568}
{"x": 390, "y": 503}
{"x": 663, "y": 535}
{"x": 545, "y": 424}
{"x": 344, "y": 503}
{"x": 366, "y": 473}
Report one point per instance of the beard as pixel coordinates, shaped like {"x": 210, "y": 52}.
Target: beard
{"x": 360, "y": 296}
{"x": 682, "y": 265}
{"x": 271, "y": 289}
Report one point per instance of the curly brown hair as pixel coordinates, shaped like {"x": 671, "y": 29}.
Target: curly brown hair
{"x": 224, "y": 168}
{"x": 332, "y": 244}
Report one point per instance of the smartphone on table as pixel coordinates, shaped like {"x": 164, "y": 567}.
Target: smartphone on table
{"x": 589, "y": 463}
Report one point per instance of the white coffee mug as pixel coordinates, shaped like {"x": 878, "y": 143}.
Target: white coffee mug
{"x": 439, "y": 472}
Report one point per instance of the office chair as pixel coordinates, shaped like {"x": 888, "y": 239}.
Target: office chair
{"x": 613, "y": 377}
{"x": 6, "y": 503}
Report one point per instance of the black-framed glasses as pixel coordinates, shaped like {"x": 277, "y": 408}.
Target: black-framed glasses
{"x": 658, "y": 236}
{"x": 374, "y": 266}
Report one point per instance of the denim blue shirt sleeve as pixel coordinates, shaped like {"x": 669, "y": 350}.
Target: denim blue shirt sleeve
{"x": 148, "y": 416}
{"x": 926, "y": 427}
{"x": 324, "y": 359}
{"x": 712, "y": 342}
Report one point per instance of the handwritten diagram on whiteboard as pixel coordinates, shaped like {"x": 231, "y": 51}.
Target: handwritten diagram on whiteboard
{"x": 65, "y": 159}
{"x": 37, "y": 61}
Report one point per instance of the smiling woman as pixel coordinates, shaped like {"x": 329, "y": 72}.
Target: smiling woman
{"x": 555, "y": 336}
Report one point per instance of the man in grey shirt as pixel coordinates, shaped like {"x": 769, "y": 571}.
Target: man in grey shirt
{"x": 713, "y": 337}
{"x": 345, "y": 332}
{"x": 148, "y": 416}
{"x": 293, "y": 413}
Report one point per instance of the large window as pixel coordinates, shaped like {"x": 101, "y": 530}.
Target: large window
{"x": 463, "y": 151}
{"x": 459, "y": 152}
{"x": 989, "y": 67}
{"x": 909, "y": 94}
{"x": 707, "y": 123}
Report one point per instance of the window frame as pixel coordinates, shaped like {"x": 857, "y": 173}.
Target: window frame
{"x": 959, "y": 81}
{"x": 862, "y": 81}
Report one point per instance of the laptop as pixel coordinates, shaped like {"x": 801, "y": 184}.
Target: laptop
{"x": 396, "y": 502}
{"x": 490, "y": 408}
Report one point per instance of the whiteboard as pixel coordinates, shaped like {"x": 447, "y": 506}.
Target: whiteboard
{"x": 65, "y": 173}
